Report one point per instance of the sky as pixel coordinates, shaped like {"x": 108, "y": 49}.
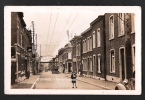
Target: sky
{"x": 51, "y": 25}
{"x": 52, "y": 22}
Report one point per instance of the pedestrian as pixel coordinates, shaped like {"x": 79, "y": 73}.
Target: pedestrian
{"x": 28, "y": 74}
{"x": 79, "y": 72}
{"x": 73, "y": 77}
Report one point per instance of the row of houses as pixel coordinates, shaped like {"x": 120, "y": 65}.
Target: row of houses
{"x": 104, "y": 51}
{"x": 22, "y": 57}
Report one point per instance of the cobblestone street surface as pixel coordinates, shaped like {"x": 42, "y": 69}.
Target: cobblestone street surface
{"x": 59, "y": 81}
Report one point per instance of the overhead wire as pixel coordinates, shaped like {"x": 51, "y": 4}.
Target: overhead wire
{"x": 48, "y": 32}
{"x": 69, "y": 28}
{"x": 63, "y": 30}
{"x": 53, "y": 31}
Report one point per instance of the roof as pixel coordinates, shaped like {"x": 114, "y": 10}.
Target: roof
{"x": 86, "y": 31}
{"x": 97, "y": 19}
{"x": 20, "y": 14}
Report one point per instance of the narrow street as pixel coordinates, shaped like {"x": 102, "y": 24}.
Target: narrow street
{"x": 60, "y": 81}
{"x": 97, "y": 46}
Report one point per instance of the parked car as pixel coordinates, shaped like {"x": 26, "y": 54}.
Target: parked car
{"x": 126, "y": 84}
{"x": 55, "y": 71}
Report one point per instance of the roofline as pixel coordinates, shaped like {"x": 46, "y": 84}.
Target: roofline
{"x": 86, "y": 31}
{"x": 97, "y": 19}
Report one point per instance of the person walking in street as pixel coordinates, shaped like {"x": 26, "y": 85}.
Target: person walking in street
{"x": 73, "y": 77}
{"x": 28, "y": 74}
{"x": 79, "y": 72}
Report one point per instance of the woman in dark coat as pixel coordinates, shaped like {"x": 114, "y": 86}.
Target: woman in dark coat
{"x": 73, "y": 77}
{"x": 28, "y": 74}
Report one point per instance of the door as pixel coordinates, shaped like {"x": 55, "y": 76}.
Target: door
{"x": 133, "y": 57}
{"x": 13, "y": 71}
{"x": 94, "y": 64}
{"x": 63, "y": 68}
{"x": 122, "y": 63}
{"x": 69, "y": 67}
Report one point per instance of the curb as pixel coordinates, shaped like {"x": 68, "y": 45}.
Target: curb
{"x": 94, "y": 84}
{"x": 32, "y": 87}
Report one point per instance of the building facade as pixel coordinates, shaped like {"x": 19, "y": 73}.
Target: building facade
{"x": 79, "y": 54}
{"x": 106, "y": 50}
{"x": 20, "y": 42}
{"x": 87, "y": 52}
{"x": 98, "y": 47}
{"x": 118, "y": 46}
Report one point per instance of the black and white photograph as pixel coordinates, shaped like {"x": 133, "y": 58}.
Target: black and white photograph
{"x": 72, "y": 50}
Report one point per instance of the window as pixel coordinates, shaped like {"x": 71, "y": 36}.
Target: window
{"x": 88, "y": 63}
{"x": 74, "y": 49}
{"x": 94, "y": 60}
{"x": 79, "y": 50}
{"x": 69, "y": 55}
{"x": 121, "y": 24}
{"x": 85, "y": 64}
{"x": 98, "y": 37}
{"x": 133, "y": 57}
{"x": 18, "y": 23}
{"x": 99, "y": 63}
{"x": 91, "y": 68}
{"x": 132, "y": 23}
{"x": 90, "y": 43}
{"x": 82, "y": 63}
{"x": 112, "y": 61}
{"x": 21, "y": 39}
{"x": 111, "y": 27}
{"x": 85, "y": 46}
{"x": 94, "y": 39}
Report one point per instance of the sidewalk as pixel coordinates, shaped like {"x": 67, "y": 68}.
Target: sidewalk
{"x": 27, "y": 83}
{"x": 100, "y": 83}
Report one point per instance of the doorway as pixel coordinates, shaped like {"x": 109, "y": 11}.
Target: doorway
{"x": 133, "y": 57}
{"x": 122, "y": 63}
{"x": 69, "y": 67}
{"x": 13, "y": 71}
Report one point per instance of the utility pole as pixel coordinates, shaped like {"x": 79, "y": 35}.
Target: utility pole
{"x": 40, "y": 50}
{"x": 68, "y": 35}
{"x": 33, "y": 37}
{"x": 34, "y": 50}
{"x": 36, "y": 41}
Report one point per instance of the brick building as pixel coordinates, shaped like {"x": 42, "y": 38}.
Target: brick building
{"x": 68, "y": 61}
{"x": 98, "y": 48}
{"x": 79, "y": 54}
{"x": 87, "y": 52}
{"x": 106, "y": 50}
{"x": 74, "y": 61}
{"x": 119, "y": 42}
{"x": 60, "y": 61}
{"x": 20, "y": 41}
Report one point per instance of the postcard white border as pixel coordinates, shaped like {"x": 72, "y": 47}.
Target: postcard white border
{"x": 106, "y": 9}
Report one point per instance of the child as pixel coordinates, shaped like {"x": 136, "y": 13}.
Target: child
{"x": 73, "y": 77}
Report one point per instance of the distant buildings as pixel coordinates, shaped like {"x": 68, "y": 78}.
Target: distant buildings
{"x": 105, "y": 51}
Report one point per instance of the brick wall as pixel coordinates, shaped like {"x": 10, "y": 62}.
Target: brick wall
{"x": 13, "y": 28}
{"x": 99, "y": 50}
